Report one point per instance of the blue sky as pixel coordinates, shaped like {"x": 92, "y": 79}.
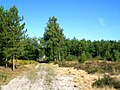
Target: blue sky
{"x": 89, "y": 19}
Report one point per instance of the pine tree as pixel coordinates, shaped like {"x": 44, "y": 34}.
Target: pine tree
{"x": 11, "y": 32}
{"x": 16, "y": 31}
{"x": 54, "y": 39}
{"x": 2, "y": 28}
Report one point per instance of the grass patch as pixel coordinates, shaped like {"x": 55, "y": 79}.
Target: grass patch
{"x": 6, "y": 74}
{"x": 3, "y": 76}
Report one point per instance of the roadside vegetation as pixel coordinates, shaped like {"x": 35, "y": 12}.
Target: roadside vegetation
{"x": 107, "y": 81}
{"x": 107, "y": 69}
{"x": 92, "y": 67}
{"x": 23, "y": 67}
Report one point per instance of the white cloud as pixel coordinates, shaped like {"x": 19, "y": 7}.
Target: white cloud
{"x": 102, "y": 22}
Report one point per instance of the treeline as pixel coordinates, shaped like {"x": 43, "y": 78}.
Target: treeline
{"x": 57, "y": 47}
{"x": 85, "y": 49}
{"x": 14, "y": 43}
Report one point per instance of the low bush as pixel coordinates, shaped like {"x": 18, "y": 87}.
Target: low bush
{"x": 107, "y": 81}
{"x": 3, "y": 76}
{"x": 82, "y": 58}
{"x": 71, "y": 58}
{"x": 92, "y": 70}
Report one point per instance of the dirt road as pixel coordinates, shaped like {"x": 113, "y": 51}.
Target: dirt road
{"x": 44, "y": 77}
{"x": 53, "y": 77}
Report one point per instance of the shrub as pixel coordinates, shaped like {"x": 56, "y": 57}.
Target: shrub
{"x": 71, "y": 58}
{"x": 107, "y": 81}
{"x": 94, "y": 66}
{"x": 3, "y": 76}
{"x": 82, "y": 57}
{"x": 88, "y": 55}
{"x": 116, "y": 55}
{"x": 92, "y": 70}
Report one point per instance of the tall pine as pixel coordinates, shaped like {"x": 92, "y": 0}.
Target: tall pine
{"x": 11, "y": 32}
{"x": 16, "y": 30}
{"x": 54, "y": 40}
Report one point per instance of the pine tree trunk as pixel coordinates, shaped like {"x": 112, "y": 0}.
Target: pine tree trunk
{"x": 6, "y": 63}
{"x": 13, "y": 68}
{"x": 59, "y": 56}
{"x": 0, "y": 59}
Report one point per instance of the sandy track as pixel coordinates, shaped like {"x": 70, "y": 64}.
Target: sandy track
{"x": 44, "y": 77}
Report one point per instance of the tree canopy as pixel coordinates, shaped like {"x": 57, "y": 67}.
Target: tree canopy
{"x": 54, "y": 40}
{"x": 11, "y": 32}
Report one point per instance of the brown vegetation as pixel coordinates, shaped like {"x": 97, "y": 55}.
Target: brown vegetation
{"x": 93, "y": 67}
{"x": 94, "y": 70}
{"x": 23, "y": 66}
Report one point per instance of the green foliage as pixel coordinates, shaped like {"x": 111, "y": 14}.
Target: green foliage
{"x": 88, "y": 55}
{"x": 107, "y": 81}
{"x": 116, "y": 55}
{"x": 11, "y": 32}
{"x": 70, "y": 58}
{"x": 41, "y": 47}
{"x": 3, "y": 76}
{"x": 29, "y": 49}
{"x": 83, "y": 57}
{"x": 54, "y": 40}
{"x": 107, "y": 55}
{"x": 102, "y": 50}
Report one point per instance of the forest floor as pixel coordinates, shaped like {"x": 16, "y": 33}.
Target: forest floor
{"x": 52, "y": 77}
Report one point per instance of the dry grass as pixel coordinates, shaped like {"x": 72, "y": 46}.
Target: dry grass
{"x": 94, "y": 70}
{"x": 6, "y": 74}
